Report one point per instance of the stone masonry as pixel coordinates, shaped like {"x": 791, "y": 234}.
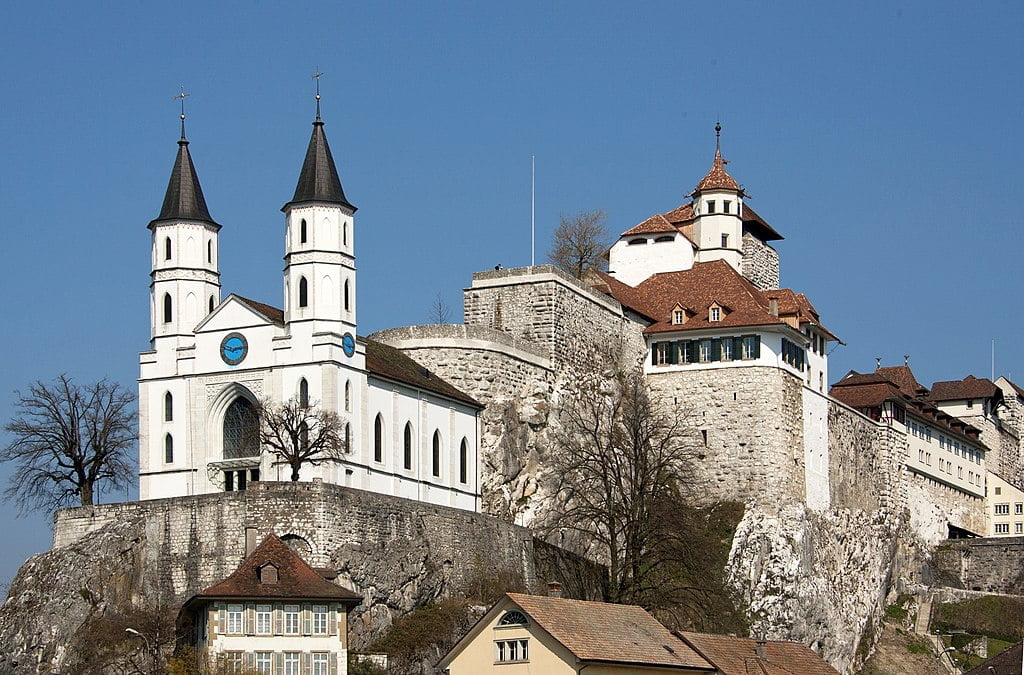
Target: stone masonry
{"x": 991, "y": 565}
{"x": 760, "y": 263}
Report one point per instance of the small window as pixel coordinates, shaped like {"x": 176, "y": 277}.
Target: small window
{"x": 346, "y": 296}
{"x": 320, "y": 619}
{"x": 677, "y": 317}
{"x": 211, "y": 304}
{"x": 407, "y": 446}
{"x": 711, "y": 206}
{"x": 291, "y": 620}
{"x": 168, "y": 407}
{"x": 268, "y": 574}
{"x": 725, "y": 241}
{"x": 435, "y": 456}
{"x": 263, "y": 618}
{"x": 716, "y": 314}
{"x": 348, "y": 438}
{"x": 1002, "y": 528}
{"x": 302, "y": 231}
{"x": 511, "y": 651}
{"x": 999, "y": 490}
{"x": 209, "y": 251}
{"x": 1002, "y": 509}
{"x": 970, "y": 403}
{"x": 727, "y": 349}
{"x": 303, "y": 292}
{"x": 463, "y": 460}
{"x": 378, "y": 438}
{"x": 167, "y": 248}
{"x": 726, "y": 206}
{"x": 664, "y": 238}
{"x": 513, "y": 618}
{"x": 1018, "y": 528}
{"x": 168, "y": 449}
{"x": 303, "y": 393}
{"x": 637, "y": 242}
{"x": 348, "y": 395}
{"x": 234, "y": 619}
{"x": 1018, "y": 509}
{"x": 344, "y": 233}
{"x": 168, "y": 314}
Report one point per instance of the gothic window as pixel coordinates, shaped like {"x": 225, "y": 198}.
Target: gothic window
{"x": 167, "y": 248}
{"x": 378, "y": 438}
{"x": 407, "y": 446}
{"x": 241, "y": 430}
{"x": 346, "y": 296}
{"x": 168, "y": 314}
{"x": 168, "y": 448}
{"x": 463, "y": 461}
{"x": 435, "y": 455}
{"x": 302, "y": 231}
{"x": 303, "y": 393}
{"x": 168, "y": 407}
{"x": 348, "y": 395}
{"x": 211, "y": 303}
{"x": 303, "y": 292}
{"x": 344, "y": 234}
{"x": 209, "y": 251}
{"x": 348, "y": 438}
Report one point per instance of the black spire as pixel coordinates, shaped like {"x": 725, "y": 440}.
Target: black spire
{"x": 319, "y": 181}
{"x": 184, "y": 198}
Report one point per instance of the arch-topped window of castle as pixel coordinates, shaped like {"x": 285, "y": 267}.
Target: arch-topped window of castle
{"x": 241, "y": 430}
{"x": 513, "y": 618}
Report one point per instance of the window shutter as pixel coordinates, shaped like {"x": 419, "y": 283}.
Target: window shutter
{"x": 332, "y": 622}
{"x": 673, "y": 352}
{"x": 307, "y": 663}
{"x": 332, "y": 659}
{"x": 307, "y": 620}
{"x": 757, "y": 346}
{"x": 250, "y": 618}
{"x": 278, "y": 619}
{"x": 737, "y": 348}
{"x": 222, "y": 619}
{"x": 654, "y": 353}
{"x": 250, "y": 660}
{"x": 278, "y": 663}
{"x": 716, "y": 350}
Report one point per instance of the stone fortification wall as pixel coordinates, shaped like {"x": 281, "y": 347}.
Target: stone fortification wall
{"x": 990, "y": 565}
{"x": 864, "y": 471}
{"x": 542, "y": 304}
{"x": 752, "y": 420}
{"x": 760, "y": 263}
{"x": 933, "y": 506}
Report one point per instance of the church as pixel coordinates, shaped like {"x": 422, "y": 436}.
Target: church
{"x": 214, "y": 360}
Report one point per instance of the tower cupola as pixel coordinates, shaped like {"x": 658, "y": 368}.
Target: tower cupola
{"x": 717, "y": 210}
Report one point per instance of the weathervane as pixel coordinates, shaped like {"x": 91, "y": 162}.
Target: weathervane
{"x": 181, "y": 97}
{"x": 316, "y": 76}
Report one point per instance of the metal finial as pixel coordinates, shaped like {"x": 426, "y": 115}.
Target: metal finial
{"x": 181, "y": 97}
{"x": 316, "y": 76}
{"x": 878, "y": 362}
{"x": 906, "y": 359}
{"x": 718, "y": 135}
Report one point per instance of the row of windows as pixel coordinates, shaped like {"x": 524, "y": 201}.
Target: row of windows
{"x": 168, "y": 307}
{"x": 304, "y": 234}
{"x": 1004, "y": 528}
{"x": 712, "y": 205}
{"x": 706, "y": 350}
{"x": 1004, "y": 509}
{"x": 168, "y": 249}
{"x": 241, "y": 619}
{"x": 512, "y": 651}
{"x": 281, "y": 663}
{"x": 304, "y": 294}
{"x": 945, "y": 466}
{"x": 407, "y": 449}
{"x": 794, "y": 355}
{"x": 956, "y": 447}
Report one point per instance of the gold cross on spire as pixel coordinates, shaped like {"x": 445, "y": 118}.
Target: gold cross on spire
{"x": 316, "y": 76}
{"x": 181, "y": 97}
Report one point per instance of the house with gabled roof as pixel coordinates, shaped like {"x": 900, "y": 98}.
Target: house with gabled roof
{"x": 274, "y": 614}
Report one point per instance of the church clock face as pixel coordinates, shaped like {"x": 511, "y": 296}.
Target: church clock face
{"x": 233, "y": 348}
{"x": 348, "y": 343}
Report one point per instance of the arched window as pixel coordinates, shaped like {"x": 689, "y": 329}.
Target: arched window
{"x": 348, "y": 395}
{"x": 378, "y": 438}
{"x": 407, "y": 445}
{"x": 168, "y": 449}
{"x": 168, "y": 314}
{"x": 463, "y": 460}
{"x": 513, "y": 618}
{"x": 303, "y": 292}
{"x": 303, "y": 393}
{"x": 209, "y": 251}
{"x": 348, "y": 438}
{"x": 168, "y": 407}
{"x": 241, "y": 430}
{"x": 346, "y": 296}
{"x": 167, "y": 248}
{"x": 435, "y": 455}
{"x": 302, "y": 231}
{"x": 344, "y": 233}
{"x": 211, "y": 303}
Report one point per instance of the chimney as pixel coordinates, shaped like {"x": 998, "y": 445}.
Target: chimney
{"x": 761, "y": 649}
{"x": 250, "y": 540}
{"x": 773, "y": 306}
{"x": 554, "y": 589}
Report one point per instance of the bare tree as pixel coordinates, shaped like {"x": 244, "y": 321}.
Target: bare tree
{"x": 580, "y": 242}
{"x": 66, "y": 440}
{"x": 620, "y": 462}
{"x": 440, "y": 312}
{"x": 298, "y": 433}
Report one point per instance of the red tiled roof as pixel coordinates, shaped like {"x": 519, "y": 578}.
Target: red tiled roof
{"x": 600, "y": 631}
{"x": 273, "y": 313}
{"x": 706, "y": 283}
{"x": 394, "y": 364}
{"x": 295, "y": 579}
{"x": 903, "y": 378}
{"x": 718, "y": 178}
{"x": 680, "y": 214}
{"x": 969, "y": 387}
{"x": 738, "y": 656}
{"x": 653, "y": 225}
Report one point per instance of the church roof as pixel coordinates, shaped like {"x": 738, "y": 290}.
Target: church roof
{"x": 386, "y": 361}
{"x": 318, "y": 180}
{"x": 294, "y": 578}
{"x": 184, "y": 197}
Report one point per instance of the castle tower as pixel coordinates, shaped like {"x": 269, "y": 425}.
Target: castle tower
{"x": 320, "y": 269}
{"x": 717, "y": 210}
{"x": 185, "y": 284}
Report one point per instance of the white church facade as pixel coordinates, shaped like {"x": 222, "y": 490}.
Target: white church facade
{"x": 214, "y": 360}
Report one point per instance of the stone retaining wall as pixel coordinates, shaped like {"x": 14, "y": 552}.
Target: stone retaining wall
{"x": 986, "y": 564}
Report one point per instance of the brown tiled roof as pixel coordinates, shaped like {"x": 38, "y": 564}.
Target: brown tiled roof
{"x": 1006, "y": 662}
{"x": 394, "y": 364}
{"x": 706, "y": 283}
{"x": 738, "y": 656}
{"x": 653, "y": 225}
{"x": 903, "y": 378}
{"x": 680, "y": 214}
{"x": 969, "y": 387}
{"x": 862, "y": 395}
{"x": 295, "y": 579}
{"x": 600, "y": 631}
{"x": 718, "y": 178}
{"x": 273, "y": 313}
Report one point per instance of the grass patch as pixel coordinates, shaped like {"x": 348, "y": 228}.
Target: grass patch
{"x": 916, "y": 645}
{"x": 990, "y": 615}
{"x": 896, "y": 612}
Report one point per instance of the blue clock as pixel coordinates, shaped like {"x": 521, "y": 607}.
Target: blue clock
{"x": 348, "y": 343}
{"x": 233, "y": 348}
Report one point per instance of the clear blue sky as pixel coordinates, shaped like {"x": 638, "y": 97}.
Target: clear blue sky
{"x": 883, "y": 140}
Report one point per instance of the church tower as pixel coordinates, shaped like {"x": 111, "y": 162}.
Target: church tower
{"x": 718, "y": 208}
{"x": 185, "y": 284}
{"x": 320, "y": 266}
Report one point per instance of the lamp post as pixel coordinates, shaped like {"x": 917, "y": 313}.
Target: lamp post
{"x": 939, "y": 656}
{"x": 149, "y": 647}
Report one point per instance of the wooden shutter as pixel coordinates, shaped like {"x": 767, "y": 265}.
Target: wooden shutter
{"x": 307, "y": 620}
{"x": 692, "y": 352}
{"x": 332, "y": 660}
{"x": 278, "y": 619}
{"x": 307, "y": 663}
{"x": 250, "y": 618}
{"x": 757, "y": 346}
{"x": 278, "y": 663}
{"x": 737, "y": 348}
{"x": 222, "y": 619}
{"x": 716, "y": 350}
{"x": 332, "y": 622}
{"x": 654, "y": 353}
{"x": 250, "y": 660}
{"x": 673, "y": 351}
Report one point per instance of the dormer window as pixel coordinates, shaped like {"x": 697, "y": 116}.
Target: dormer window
{"x": 711, "y": 206}
{"x": 715, "y": 314}
{"x": 267, "y": 574}
{"x": 677, "y": 317}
